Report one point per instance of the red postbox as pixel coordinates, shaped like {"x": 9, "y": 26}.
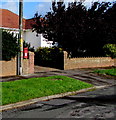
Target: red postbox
{"x": 25, "y": 53}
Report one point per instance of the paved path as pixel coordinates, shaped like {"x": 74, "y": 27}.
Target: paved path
{"x": 86, "y": 75}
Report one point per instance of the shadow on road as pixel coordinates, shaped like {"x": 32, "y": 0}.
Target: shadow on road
{"x": 109, "y": 99}
{"x": 97, "y": 100}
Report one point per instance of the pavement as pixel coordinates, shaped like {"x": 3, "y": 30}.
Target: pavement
{"x": 85, "y": 75}
{"x": 97, "y": 104}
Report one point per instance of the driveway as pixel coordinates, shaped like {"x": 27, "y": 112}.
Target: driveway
{"x": 94, "y": 104}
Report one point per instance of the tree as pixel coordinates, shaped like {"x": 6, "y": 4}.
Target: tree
{"x": 78, "y": 30}
{"x": 95, "y": 30}
{"x": 10, "y": 47}
{"x": 110, "y": 23}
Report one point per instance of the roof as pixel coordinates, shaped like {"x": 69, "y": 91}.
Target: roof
{"x": 11, "y": 20}
{"x": 28, "y": 23}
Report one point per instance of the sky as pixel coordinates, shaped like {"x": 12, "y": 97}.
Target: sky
{"x": 30, "y": 7}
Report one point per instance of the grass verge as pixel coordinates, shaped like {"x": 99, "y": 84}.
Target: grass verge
{"x": 107, "y": 71}
{"x": 20, "y": 90}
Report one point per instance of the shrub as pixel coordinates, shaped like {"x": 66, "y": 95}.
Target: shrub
{"x": 110, "y": 50}
{"x": 10, "y": 47}
{"x": 26, "y": 44}
{"x": 49, "y": 57}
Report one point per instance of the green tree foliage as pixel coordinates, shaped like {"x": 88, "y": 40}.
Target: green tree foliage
{"x": 110, "y": 24}
{"x": 110, "y": 50}
{"x": 10, "y": 46}
{"x": 79, "y": 30}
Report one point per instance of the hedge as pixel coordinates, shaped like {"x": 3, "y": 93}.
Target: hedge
{"x": 49, "y": 57}
{"x": 10, "y": 47}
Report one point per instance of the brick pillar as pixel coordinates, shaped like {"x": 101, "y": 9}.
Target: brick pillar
{"x": 25, "y": 66}
{"x": 65, "y": 59}
{"x": 28, "y": 64}
{"x": 31, "y": 62}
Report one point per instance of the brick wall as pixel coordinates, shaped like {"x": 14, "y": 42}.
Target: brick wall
{"x": 115, "y": 62}
{"x": 9, "y": 68}
{"x": 72, "y": 63}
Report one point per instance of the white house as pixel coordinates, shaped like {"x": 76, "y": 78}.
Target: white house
{"x": 39, "y": 41}
{"x": 10, "y": 22}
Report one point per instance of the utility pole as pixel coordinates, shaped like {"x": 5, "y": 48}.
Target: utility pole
{"x": 20, "y": 55}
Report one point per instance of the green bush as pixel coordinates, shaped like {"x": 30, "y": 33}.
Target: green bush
{"x": 10, "y": 47}
{"x": 49, "y": 57}
{"x": 28, "y": 45}
{"x": 110, "y": 50}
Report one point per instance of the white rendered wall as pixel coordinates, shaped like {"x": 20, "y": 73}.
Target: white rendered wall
{"x": 35, "y": 41}
{"x": 46, "y": 43}
{"x": 31, "y": 38}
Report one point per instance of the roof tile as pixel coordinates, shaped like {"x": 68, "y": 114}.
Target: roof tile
{"x": 11, "y": 20}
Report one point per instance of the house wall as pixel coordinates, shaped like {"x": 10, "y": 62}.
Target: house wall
{"x": 46, "y": 43}
{"x": 36, "y": 41}
{"x": 73, "y": 63}
{"x": 31, "y": 38}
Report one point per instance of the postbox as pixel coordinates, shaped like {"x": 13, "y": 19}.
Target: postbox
{"x": 25, "y": 53}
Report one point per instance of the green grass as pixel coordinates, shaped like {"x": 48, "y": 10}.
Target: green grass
{"x": 107, "y": 71}
{"x": 20, "y": 90}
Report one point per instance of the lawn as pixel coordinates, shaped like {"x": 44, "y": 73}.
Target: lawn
{"x": 20, "y": 90}
{"x": 107, "y": 71}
